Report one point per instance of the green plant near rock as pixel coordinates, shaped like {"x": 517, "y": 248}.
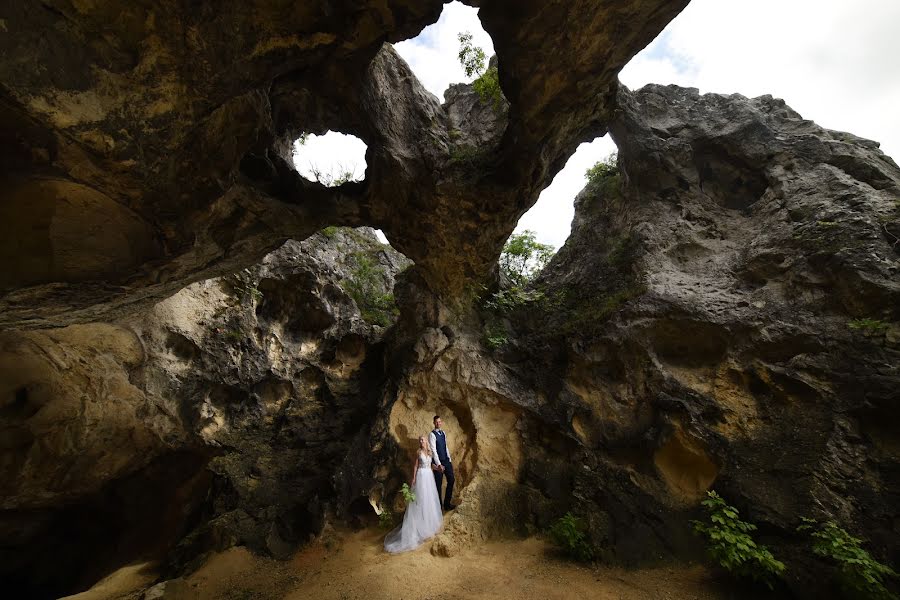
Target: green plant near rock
{"x": 569, "y": 535}
{"x": 495, "y": 335}
{"x": 408, "y": 495}
{"x": 604, "y": 177}
{"x": 386, "y": 519}
{"x": 730, "y": 544}
{"x": 868, "y": 325}
{"x": 366, "y": 286}
{"x": 243, "y": 285}
{"x": 473, "y": 60}
{"x": 859, "y": 575}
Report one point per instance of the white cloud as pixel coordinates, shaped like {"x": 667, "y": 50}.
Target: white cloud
{"x": 833, "y": 61}
{"x": 432, "y": 54}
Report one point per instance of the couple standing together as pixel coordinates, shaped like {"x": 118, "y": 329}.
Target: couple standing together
{"x": 423, "y": 517}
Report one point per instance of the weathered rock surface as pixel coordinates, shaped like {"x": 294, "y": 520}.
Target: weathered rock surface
{"x": 235, "y": 410}
{"x": 151, "y": 149}
{"x": 724, "y": 316}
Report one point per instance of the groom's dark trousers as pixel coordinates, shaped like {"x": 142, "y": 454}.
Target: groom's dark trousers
{"x": 439, "y": 479}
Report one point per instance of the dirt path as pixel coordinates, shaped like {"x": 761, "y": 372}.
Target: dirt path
{"x": 353, "y": 565}
{"x": 357, "y": 567}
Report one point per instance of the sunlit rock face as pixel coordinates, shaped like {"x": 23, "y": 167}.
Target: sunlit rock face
{"x": 725, "y": 315}
{"x": 226, "y": 412}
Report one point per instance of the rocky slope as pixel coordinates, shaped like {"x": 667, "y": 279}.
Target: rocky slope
{"x": 724, "y": 315}
{"x": 236, "y": 411}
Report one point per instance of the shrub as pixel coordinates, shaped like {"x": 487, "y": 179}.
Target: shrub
{"x": 867, "y": 325}
{"x": 569, "y": 535}
{"x": 473, "y": 60}
{"x": 495, "y": 336}
{"x": 859, "y": 575}
{"x": 604, "y": 175}
{"x": 243, "y": 285}
{"x": 408, "y": 495}
{"x": 523, "y": 257}
{"x": 365, "y": 285}
{"x": 386, "y": 519}
{"x": 730, "y": 544}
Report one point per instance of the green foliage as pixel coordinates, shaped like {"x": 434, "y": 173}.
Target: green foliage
{"x": 473, "y": 61}
{"x": 591, "y": 310}
{"x": 859, "y": 575}
{"x": 495, "y": 335}
{"x": 523, "y": 257}
{"x": 329, "y": 231}
{"x": 569, "y": 535}
{"x": 604, "y": 175}
{"x": 386, "y": 519}
{"x": 243, "y": 285}
{"x": 235, "y": 335}
{"x": 365, "y": 285}
{"x": 730, "y": 544}
{"x": 465, "y": 155}
{"x": 302, "y": 139}
{"x": 488, "y": 88}
{"x": 868, "y": 325}
{"x": 408, "y": 495}
{"x": 471, "y": 57}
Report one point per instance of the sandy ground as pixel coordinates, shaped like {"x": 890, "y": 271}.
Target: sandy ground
{"x": 353, "y": 565}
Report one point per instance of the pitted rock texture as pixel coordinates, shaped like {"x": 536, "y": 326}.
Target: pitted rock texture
{"x": 724, "y": 315}
{"x": 236, "y": 411}
{"x": 151, "y": 149}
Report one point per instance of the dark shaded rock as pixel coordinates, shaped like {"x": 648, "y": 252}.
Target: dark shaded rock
{"x": 169, "y": 131}
{"x": 727, "y": 312}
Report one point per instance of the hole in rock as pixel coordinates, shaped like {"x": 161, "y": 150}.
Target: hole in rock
{"x": 331, "y": 159}
{"x": 552, "y": 216}
{"x": 433, "y": 54}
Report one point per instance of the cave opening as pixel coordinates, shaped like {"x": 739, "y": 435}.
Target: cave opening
{"x": 331, "y": 159}
{"x": 552, "y": 218}
{"x": 433, "y": 54}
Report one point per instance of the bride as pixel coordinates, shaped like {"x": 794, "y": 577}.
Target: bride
{"x": 423, "y": 516}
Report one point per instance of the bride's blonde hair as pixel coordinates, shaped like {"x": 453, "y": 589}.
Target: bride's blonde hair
{"x": 427, "y": 445}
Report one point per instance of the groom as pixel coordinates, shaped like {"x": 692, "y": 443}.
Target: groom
{"x": 441, "y": 458}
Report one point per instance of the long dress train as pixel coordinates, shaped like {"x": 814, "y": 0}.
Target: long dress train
{"x": 423, "y": 518}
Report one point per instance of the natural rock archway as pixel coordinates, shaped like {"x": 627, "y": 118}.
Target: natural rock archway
{"x": 183, "y": 119}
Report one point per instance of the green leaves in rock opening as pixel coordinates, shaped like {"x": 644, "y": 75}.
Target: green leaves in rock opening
{"x": 859, "y": 575}
{"x": 473, "y": 60}
{"x": 366, "y": 286}
{"x": 569, "y": 535}
{"x": 603, "y": 177}
{"x": 730, "y": 544}
{"x": 408, "y": 495}
{"x": 523, "y": 257}
{"x": 471, "y": 57}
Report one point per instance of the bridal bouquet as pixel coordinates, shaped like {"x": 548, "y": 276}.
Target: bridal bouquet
{"x": 408, "y": 494}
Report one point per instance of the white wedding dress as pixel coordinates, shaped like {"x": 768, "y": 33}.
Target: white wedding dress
{"x": 423, "y": 518}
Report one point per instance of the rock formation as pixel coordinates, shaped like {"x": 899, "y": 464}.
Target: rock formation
{"x": 725, "y": 313}
{"x": 236, "y": 411}
{"x": 179, "y": 378}
{"x": 172, "y": 127}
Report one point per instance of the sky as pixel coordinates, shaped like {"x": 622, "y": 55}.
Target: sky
{"x": 834, "y": 61}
